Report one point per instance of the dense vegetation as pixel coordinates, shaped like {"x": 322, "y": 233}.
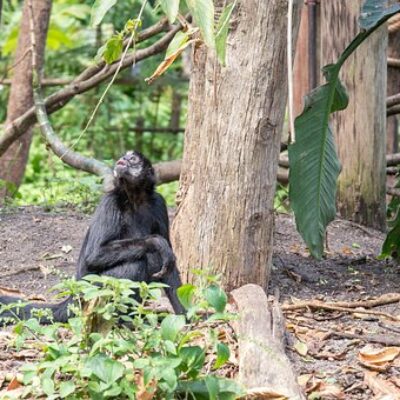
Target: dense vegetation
{"x": 72, "y": 44}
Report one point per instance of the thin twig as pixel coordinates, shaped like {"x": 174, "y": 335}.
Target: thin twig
{"x": 121, "y": 61}
{"x": 349, "y": 307}
{"x": 385, "y": 299}
{"x": 89, "y": 78}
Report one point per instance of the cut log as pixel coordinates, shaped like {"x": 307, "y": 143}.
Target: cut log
{"x": 264, "y": 368}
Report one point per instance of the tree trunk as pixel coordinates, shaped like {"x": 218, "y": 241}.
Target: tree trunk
{"x": 360, "y": 130}
{"x": 393, "y": 87}
{"x": 13, "y": 162}
{"x": 232, "y": 143}
{"x": 307, "y": 57}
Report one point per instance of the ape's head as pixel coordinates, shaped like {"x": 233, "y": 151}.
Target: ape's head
{"x": 134, "y": 170}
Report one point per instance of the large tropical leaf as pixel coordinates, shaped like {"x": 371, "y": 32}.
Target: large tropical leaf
{"x": 203, "y": 14}
{"x": 171, "y": 9}
{"x": 222, "y": 32}
{"x": 100, "y": 9}
{"x": 314, "y": 165}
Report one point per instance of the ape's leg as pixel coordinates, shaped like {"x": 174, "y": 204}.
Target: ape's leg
{"x": 135, "y": 271}
{"x": 173, "y": 280}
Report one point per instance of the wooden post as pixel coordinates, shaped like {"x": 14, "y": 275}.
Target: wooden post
{"x": 360, "y": 130}
{"x": 393, "y": 87}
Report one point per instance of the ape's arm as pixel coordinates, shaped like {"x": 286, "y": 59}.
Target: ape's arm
{"x": 113, "y": 253}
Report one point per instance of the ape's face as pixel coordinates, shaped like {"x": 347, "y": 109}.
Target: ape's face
{"x": 129, "y": 166}
{"x": 133, "y": 168}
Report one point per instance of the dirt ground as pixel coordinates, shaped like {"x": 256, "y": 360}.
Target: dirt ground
{"x": 326, "y": 346}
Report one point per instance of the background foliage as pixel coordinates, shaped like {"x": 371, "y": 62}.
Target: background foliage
{"x": 72, "y": 45}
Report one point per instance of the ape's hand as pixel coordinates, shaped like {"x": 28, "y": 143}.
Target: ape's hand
{"x": 160, "y": 245}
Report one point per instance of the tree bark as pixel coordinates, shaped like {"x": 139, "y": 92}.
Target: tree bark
{"x": 13, "y": 162}
{"x": 232, "y": 143}
{"x": 360, "y": 130}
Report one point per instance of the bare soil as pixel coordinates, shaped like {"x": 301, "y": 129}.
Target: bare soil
{"x": 36, "y": 247}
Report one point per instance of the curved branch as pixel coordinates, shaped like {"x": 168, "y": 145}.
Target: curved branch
{"x": 393, "y": 100}
{"x": 90, "y": 78}
{"x": 167, "y": 171}
{"x": 393, "y": 110}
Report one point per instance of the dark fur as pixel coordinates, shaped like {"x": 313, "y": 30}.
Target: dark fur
{"x": 127, "y": 238}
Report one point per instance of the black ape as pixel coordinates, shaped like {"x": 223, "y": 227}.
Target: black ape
{"x": 128, "y": 236}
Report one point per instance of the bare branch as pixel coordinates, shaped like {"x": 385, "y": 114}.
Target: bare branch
{"x": 393, "y": 191}
{"x": 45, "y": 82}
{"x": 393, "y": 100}
{"x": 90, "y": 78}
{"x": 393, "y": 62}
{"x": 393, "y": 110}
{"x": 167, "y": 171}
{"x": 392, "y": 159}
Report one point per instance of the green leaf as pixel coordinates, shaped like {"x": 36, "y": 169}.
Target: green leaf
{"x": 203, "y": 14}
{"x": 105, "y": 368}
{"x": 223, "y": 354}
{"x": 47, "y": 386}
{"x": 171, "y": 326}
{"x": 66, "y": 388}
{"x": 314, "y": 168}
{"x": 177, "y": 42}
{"x": 222, "y": 32}
{"x": 113, "y": 49}
{"x": 212, "y": 387}
{"x": 374, "y": 11}
{"x": 171, "y": 9}
{"x": 227, "y": 389}
{"x": 216, "y": 298}
{"x": 170, "y": 377}
{"x": 185, "y": 295}
{"x": 314, "y": 165}
{"x": 192, "y": 360}
{"x": 391, "y": 246}
{"x": 100, "y": 9}
{"x": 113, "y": 392}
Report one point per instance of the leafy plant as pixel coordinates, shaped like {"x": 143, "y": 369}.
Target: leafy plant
{"x": 132, "y": 355}
{"x": 314, "y": 165}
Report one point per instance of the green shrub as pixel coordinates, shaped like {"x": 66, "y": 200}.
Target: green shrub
{"x": 131, "y": 352}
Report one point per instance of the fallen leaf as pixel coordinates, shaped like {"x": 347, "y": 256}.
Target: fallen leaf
{"x": 14, "y": 384}
{"x": 395, "y": 380}
{"x": 264, "y": 394}
{"x": 328, "y": 391}
{"x": 66, "y": 248}
{"x": 302, "y": 380}
{"x": 46, "y": 270}
{"x": 378, "y": 359}
{"x": 328, "y": 355}
{"x": 301, "y": 348}
{"x": 347, "y": 250}
{"x": 48, "y": 256}
{"x": 145, "y": 392}
{"x": 381, "y": 387}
